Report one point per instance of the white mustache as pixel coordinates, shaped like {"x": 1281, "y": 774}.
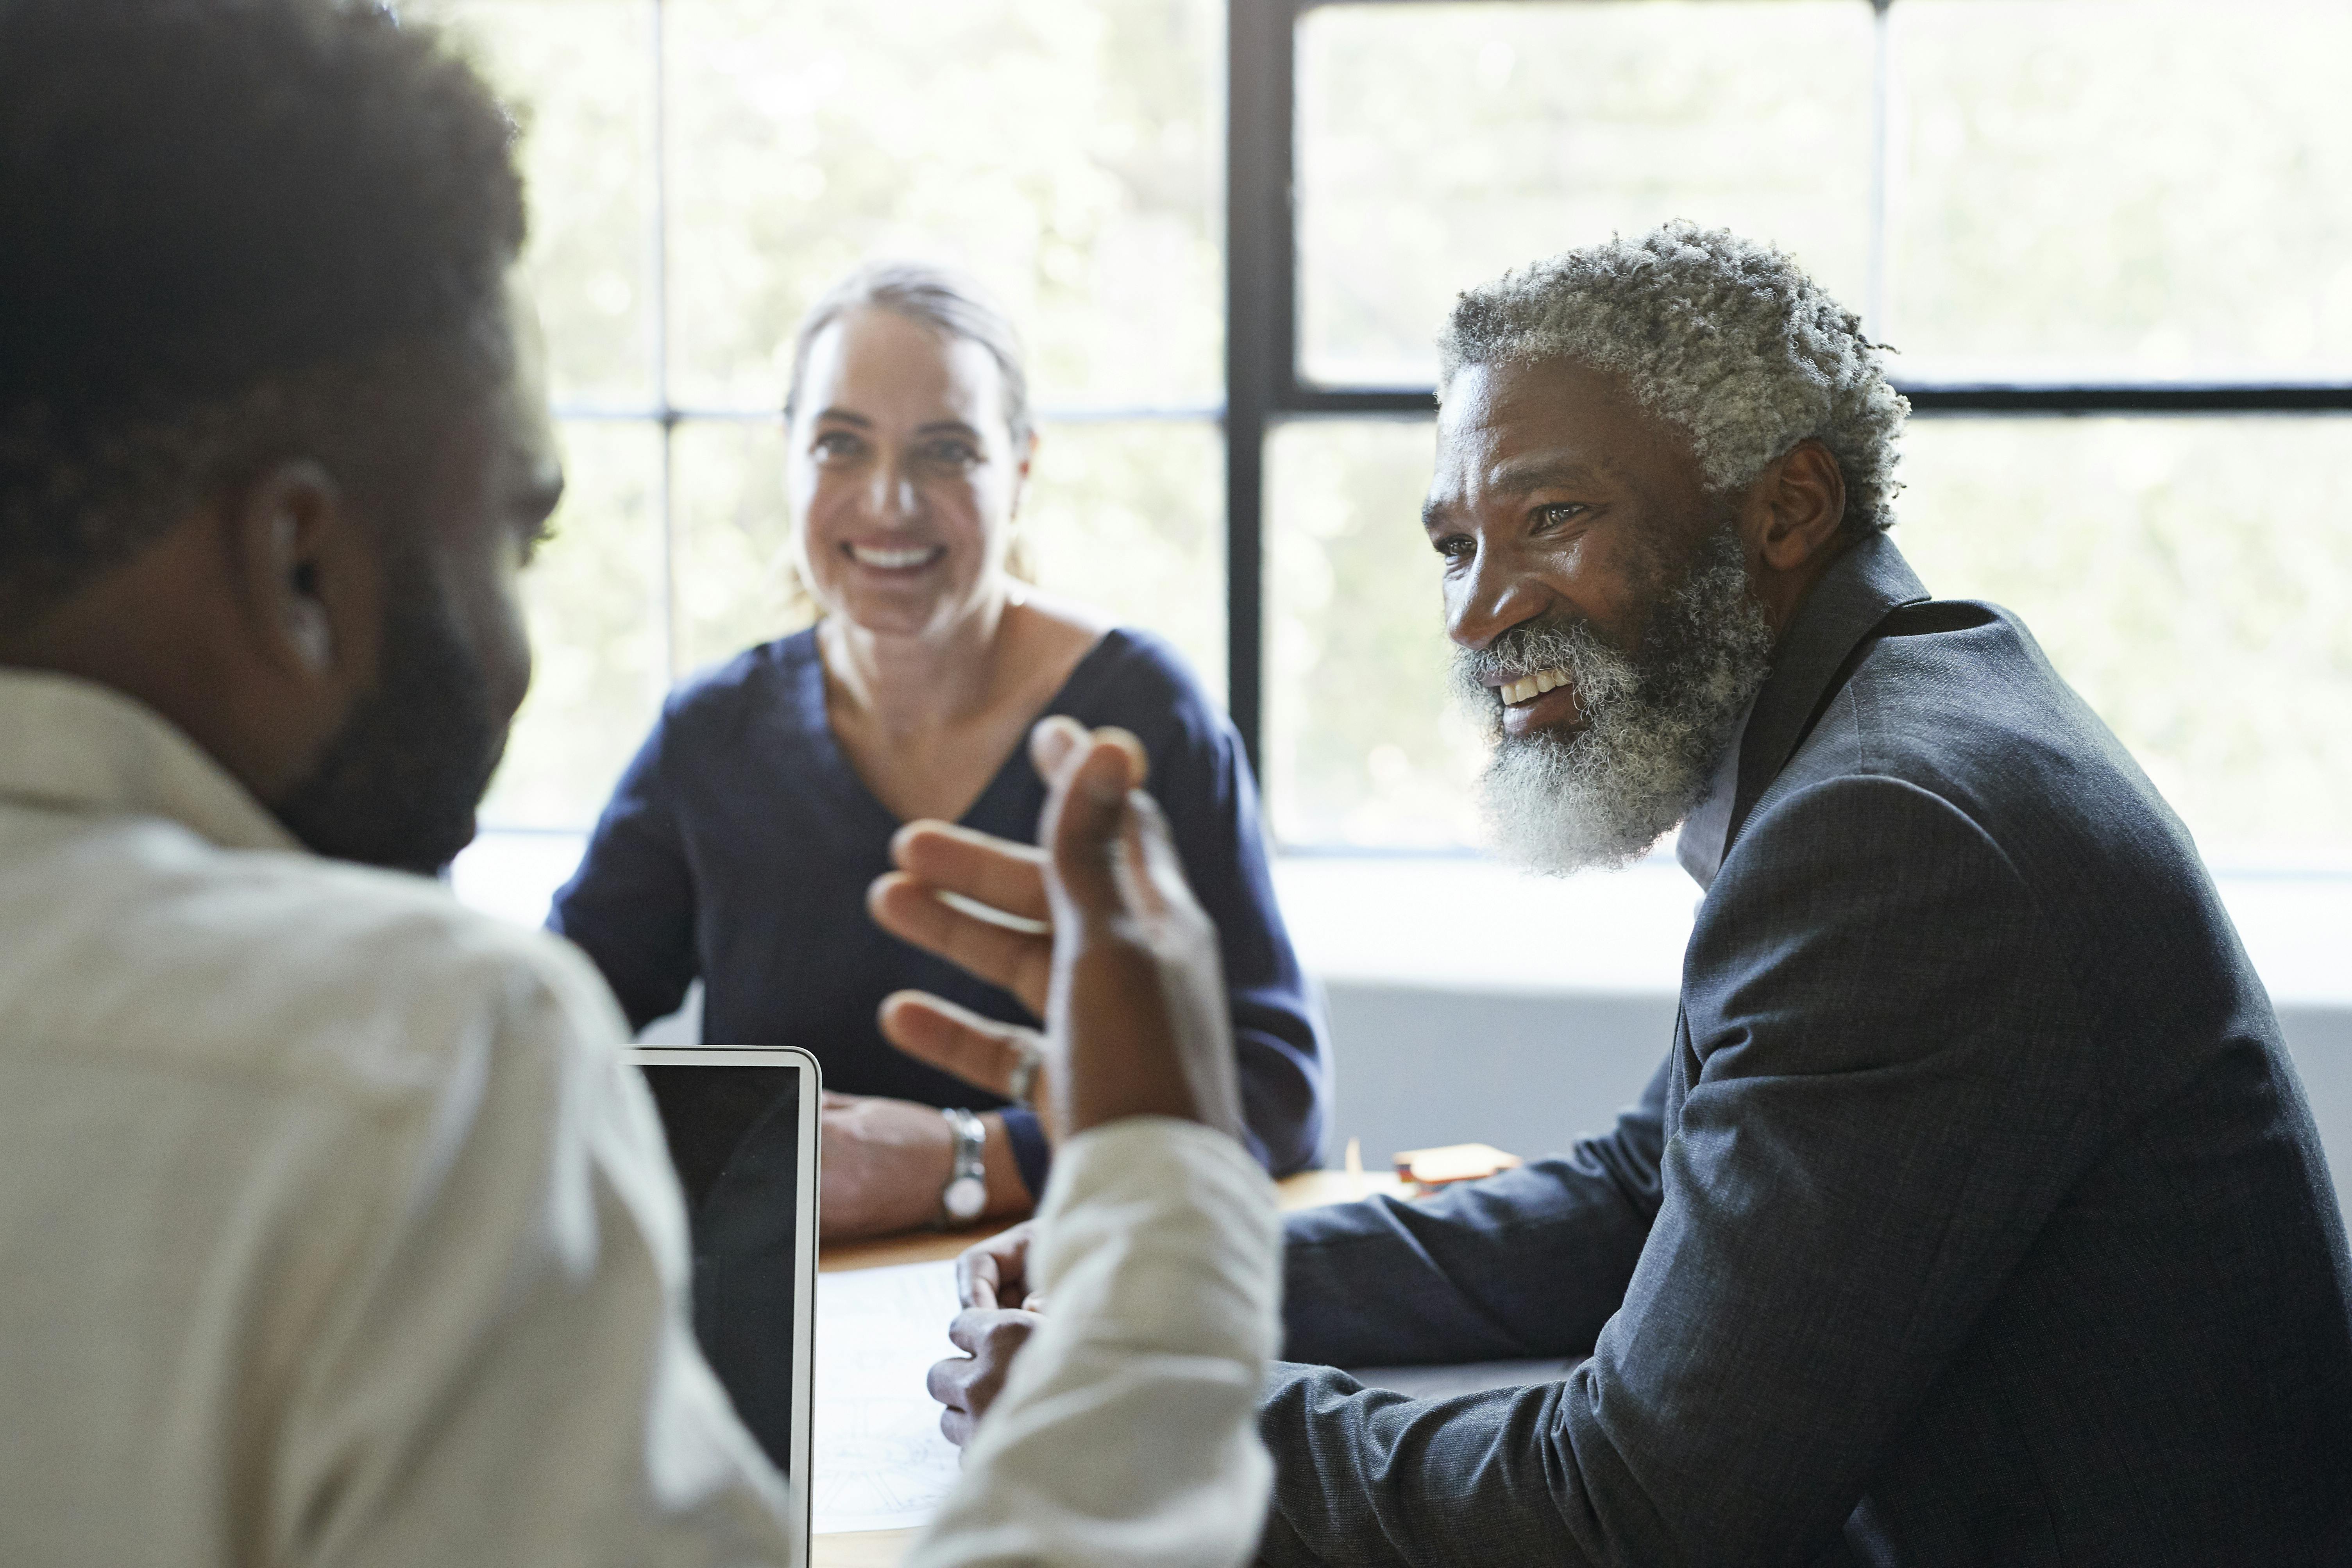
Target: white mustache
{"x": 1599, "y": 673}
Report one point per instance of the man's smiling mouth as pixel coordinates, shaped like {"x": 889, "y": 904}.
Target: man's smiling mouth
{"x": 1527, "y": 688}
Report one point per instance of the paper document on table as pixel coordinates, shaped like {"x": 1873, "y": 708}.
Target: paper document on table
{"x": 879, "y": 1461}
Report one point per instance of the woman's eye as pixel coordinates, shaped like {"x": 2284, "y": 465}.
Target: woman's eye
{"x": 954, "y": 454}
{"x": 835, "y": 444}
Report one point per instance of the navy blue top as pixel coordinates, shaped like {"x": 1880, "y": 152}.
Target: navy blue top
{"x": 739, "y": 846}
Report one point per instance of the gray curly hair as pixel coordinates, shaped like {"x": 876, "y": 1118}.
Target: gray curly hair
{"x": 1725, "y": 337}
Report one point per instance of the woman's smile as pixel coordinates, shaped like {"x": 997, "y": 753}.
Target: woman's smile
{"x": 904, "y": 559}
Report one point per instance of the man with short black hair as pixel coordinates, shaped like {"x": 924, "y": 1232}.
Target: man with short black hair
{"x": 1975, "y": 1214}
{"x": 261, "y": 254}
{"x": 300, "y": 1264}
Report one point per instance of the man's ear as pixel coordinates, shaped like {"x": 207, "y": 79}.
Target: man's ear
{"x": 1795, "y": 506}
{"x": 306, "y": 569}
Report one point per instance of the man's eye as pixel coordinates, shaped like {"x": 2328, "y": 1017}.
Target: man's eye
{"x": 537, "y": 540}
{"x": 1559, "y": 513}
{"x": 1454, "y": 547}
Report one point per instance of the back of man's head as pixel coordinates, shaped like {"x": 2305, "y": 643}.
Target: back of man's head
{"x": 220, "y": 217}
{"x": 269, "y": 458}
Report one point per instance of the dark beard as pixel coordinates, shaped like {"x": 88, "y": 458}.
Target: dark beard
{"x": 398, "y": 785}
{"x": 1656, "y": 720}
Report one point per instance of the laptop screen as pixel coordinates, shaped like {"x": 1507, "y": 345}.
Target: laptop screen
{"x": 734, "y": 1135}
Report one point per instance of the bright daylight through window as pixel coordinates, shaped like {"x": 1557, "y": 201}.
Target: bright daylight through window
{"x": 2099, "y": 206}
{"x": 2112, "y": 240}
{"x": 702, "y": 169}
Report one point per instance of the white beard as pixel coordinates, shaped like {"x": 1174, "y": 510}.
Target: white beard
{"x": 1657, "y": 722}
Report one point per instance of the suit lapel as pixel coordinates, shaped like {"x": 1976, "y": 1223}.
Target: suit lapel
{"x": 1844, "y": 608}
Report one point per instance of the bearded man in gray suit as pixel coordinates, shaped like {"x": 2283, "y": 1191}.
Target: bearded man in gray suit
{"x": 1976, "y": 1214}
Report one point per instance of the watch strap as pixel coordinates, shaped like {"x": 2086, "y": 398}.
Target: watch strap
{"x": 970, "y": 1165}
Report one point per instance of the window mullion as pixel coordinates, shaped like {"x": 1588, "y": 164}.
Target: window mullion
{"x": 666, "y": 617}
{"x": 1873, "y": 306}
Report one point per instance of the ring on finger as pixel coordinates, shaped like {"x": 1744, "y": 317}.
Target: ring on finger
{"x": 1020, "y": 1089}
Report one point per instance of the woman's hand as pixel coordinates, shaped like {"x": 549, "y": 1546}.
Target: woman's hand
{"x": 886, "y": 1162}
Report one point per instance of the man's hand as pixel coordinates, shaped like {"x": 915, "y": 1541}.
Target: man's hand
{"x": 1000, "y": 1314}
{"x": 968, "y": 1384}
{"x": 995, "y": 1272}
{"x": 933, "y": 857}
{"x": 1126, "y": 971}
{"x": 1105, "y": 941}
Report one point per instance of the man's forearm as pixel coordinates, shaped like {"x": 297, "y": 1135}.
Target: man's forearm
{"x": 1125, "y": 1434}
{"x": 1373, "y": 1479}
{"x": 1527, "y": 1264}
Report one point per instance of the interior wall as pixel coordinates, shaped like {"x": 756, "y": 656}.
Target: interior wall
{"x": 1530, "y": 1073}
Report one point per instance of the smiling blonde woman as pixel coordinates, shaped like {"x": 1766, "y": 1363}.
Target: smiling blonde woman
{"x": 738, "y": 846}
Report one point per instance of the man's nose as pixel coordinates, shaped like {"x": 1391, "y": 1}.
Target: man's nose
{"x": 1490, "y": 599}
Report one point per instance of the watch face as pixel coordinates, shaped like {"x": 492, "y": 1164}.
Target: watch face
{"x": 966, "y": 1197}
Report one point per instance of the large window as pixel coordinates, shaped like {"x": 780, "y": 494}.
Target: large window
{"x": 2111, "y": 238}
{"x": 700, "y": 170}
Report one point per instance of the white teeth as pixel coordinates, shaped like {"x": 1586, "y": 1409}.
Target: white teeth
{"x": 1514, "y": 693}
{"x": 890, "y": 560}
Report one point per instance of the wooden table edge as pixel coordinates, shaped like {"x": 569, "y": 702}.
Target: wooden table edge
{"x": 885, "y": 1548}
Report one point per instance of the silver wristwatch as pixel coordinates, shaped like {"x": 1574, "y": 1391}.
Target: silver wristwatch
{"x": 966, "y": 1194}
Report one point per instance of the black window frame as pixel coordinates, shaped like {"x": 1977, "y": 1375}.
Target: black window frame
{"x": 1264, "y": 386}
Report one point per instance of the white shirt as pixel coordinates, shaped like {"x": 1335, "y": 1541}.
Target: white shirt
{"x": 1127, "y": 1433}
{"x": 333, "y": 1228}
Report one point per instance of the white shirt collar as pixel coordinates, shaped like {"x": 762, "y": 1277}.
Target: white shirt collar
{"x": 74, "y": 745}
{"x": 1701, "y": 843}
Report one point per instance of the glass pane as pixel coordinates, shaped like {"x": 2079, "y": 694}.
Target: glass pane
{"x": 580, "y": 76}
{"x": 2192, "y": 578}
{"x": 1439, "y": 144}
{"x": 731, "y": 541}
{"x": 1364, "y": 743}
{"x": 1126, "y": 516}
{"x": 1067, "y": 152}
{"x": 1129, "y": 518}
{"x": 2121, "y": 187}
{"x": 592, "y": 596}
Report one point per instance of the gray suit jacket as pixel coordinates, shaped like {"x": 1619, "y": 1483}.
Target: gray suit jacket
{"x": 1975, "y": 1216}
